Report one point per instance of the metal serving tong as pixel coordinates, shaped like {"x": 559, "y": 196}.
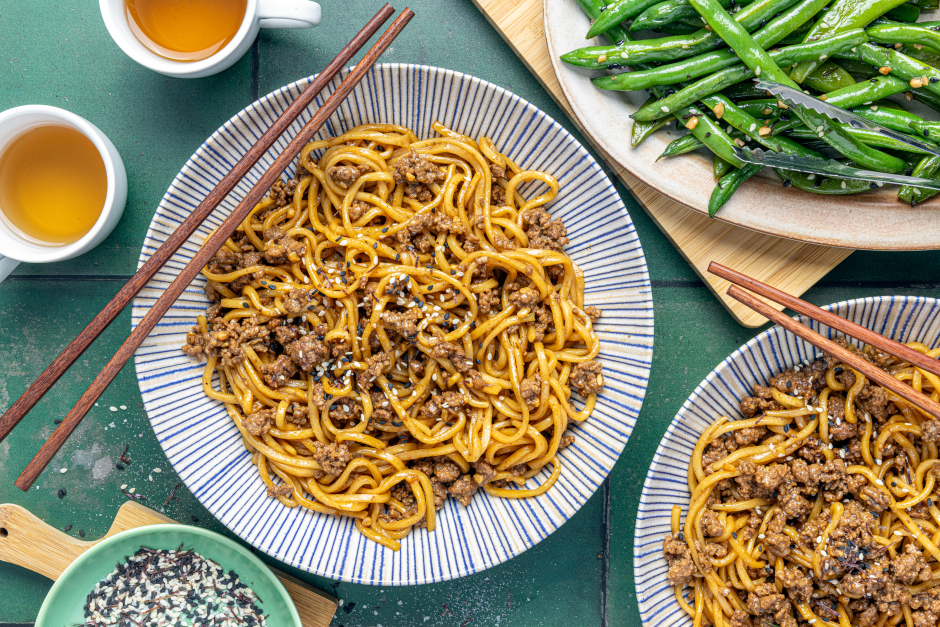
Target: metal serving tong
{"x": 829, "y": 167}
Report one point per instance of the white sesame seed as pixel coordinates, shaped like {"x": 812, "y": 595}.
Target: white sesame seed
{"x": 64, "y": 470}
{"x": 113, "y": 408}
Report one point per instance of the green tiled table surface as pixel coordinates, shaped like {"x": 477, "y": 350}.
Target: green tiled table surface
{"x": 60, "y": 54}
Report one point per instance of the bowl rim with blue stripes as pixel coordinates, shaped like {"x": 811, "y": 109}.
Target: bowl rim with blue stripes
{"x": 204, "y": 446}
{"x": 903, "y": 318}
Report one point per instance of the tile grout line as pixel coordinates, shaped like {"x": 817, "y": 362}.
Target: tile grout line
{"x": 605, "y": 551}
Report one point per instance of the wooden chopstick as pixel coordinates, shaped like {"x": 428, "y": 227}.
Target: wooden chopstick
{"x": 905, "y": 353}
{"x": 853, "y": 361}
{"x": 74, "y": 350}
{"x": 209, "y": 248}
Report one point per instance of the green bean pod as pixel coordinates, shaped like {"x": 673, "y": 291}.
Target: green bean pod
{"x": 904, "y": 34}
{"x": 926, "y": 168}
{"x": 925, "y": 4}
{"x": 872, "y": 139}
{"x": 666, "y": 13}
{"x": 895, "y": 119}
{"x": 709, "y": 62}
{"x": 616, "y": 12}
{"x": 666, "y": 49}
{"x": 826, "y": 186}
{"x": 748, "y": 50}
{"x": 641, "y": 130}
{"x": 829, "y": 77}
{"x": 711, "y": 134}
{"x": 728, "y": 185}
{"x": 832, "y": 133}
{"x": 729, "y": 76}
{"x": 902, "y": 66}
{"x": 685, "y": 144}
{"x": 720, "y": 167}
{"x": 593, "y": 9}
{"x": 750, "y": 126}
{"x": 867, "y": 92}
{"x": 842, "y": 16}
{"x": 904, "y": 13}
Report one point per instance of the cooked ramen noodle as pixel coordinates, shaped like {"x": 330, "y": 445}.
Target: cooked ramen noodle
{"x": 398, "y": 324}
{"x": 816, "y": 508}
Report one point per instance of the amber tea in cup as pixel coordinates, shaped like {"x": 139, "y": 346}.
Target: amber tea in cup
{"x": 53, "y": 185}
{"x": 185, "y": 30}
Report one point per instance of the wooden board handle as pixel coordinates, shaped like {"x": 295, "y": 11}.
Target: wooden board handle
{"x": 27, "y": 541}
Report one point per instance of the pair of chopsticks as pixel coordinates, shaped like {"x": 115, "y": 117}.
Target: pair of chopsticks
{"x": 45, "y": 381}
{"x": 853, "y": 361}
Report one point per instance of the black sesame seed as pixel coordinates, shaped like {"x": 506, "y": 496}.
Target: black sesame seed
{"x": 68, "y": 527}
{"x": 120, "y": 466}
{"x": 81, "y": 533}
{"x": 195, "y": 520}
{"x": 62, "y": 493}
{"x": 56, "y": 421}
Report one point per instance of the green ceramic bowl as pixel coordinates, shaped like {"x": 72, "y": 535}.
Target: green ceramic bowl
{"x": 64, "y": 605}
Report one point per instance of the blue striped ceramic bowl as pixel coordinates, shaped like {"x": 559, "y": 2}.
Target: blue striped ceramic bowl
{"x": 903, "y": 318}
{"x": 205, "y": 447}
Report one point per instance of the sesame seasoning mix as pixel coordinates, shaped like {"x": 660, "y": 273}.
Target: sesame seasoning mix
{"x": 157, "y": 588}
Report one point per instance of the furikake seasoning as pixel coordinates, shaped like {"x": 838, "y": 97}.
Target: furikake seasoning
{"x": 156, "y": 588}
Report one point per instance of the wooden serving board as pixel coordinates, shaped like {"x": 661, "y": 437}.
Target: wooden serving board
{"x": 791, "y": 266}
{"x": 27, "y": 541}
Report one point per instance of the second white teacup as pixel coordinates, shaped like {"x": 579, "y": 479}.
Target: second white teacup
{"x": 258, "y": 14}
{"x": 14, "y": 246}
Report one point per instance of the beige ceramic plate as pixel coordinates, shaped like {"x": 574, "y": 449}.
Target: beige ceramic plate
{"x": 874, "y": 220}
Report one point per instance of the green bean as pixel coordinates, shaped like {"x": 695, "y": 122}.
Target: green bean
{"x": 665, "y": 49}
{"x": 593, "y": 9}
{"x": 867, "y": 92}
{"x": 681, "y": 146}
{"x": 728, "y": 185}
{"x": 680, "y": 27}
{"x": 641, "y": 130}
{"x": 926, "y": 168}
{"x": 832, "y": 133}
{"x": 925, "y": 4}
{"x": 666, "y": 13}
{"x": 711, "y": 134}
{"x": 750, "y": 126}
{"x": 707, "y": 63}
{"x": 842, "y": 16}
{"x": 745, "y": 89}
{"x": 720, "y": 167}
{"x": 748, "y": 50}
{"x": 796, "y": 37}
{"x": 616, "y": 12}
{"x": 904, "y": 34}
{"x": 762, "y": 108}
{"x": 901, "y": 65}
{"x": 829, "y": 77}
{"x": 895, "y": 119}
{"x": 729, "y": 76}
{"x": 820, "y": 185}
{"x": 928, "y": 129}
{"x": 904, "y": 13}
{"x": 873, "y": 139}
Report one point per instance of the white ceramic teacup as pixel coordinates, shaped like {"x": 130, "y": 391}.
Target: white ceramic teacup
{"x": 13, "y": 247}
{"x": 258, "y": 14}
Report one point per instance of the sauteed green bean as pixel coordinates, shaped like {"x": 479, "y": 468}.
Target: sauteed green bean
{"x": 854, "y": 54}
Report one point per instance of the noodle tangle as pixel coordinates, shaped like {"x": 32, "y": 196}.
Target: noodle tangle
{"x": 398, "y": 325}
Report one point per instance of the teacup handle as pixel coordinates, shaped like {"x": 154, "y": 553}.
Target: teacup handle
{"x": 288, "y": 13}
{"x": 6, "y": 266}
